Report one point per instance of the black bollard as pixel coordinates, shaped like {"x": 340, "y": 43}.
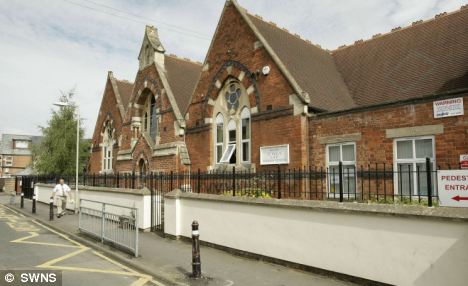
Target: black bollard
{"x": 22, "y": 200}
{"x": 51, "y": 209}
{"x": 196, "y": 264}
{"x": 34, "y": 204}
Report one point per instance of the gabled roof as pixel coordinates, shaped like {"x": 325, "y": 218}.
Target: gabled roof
{"x": 182, "y": 75}
{"x": 426, "y": 58}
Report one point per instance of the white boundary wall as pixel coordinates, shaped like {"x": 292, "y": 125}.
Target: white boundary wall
{"x": 140, "y": 199}
{"x": 401, "y": 245}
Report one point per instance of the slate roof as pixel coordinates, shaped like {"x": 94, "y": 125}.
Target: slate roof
{"x": 313, "y": 68}
{"x": 125, "y": 90}
{"x": 426, "y": 58}
{"x": 182, "y": 75}
{"x": 6, "y": 146}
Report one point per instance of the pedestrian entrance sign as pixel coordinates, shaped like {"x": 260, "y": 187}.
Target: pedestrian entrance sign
{"x": 453, "y": 188}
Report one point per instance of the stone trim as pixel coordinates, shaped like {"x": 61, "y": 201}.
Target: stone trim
{"x": 352, "y": 137}
{"x": 166, "y": 149}
{"x": 270, "y": 114}
{"x": 118, "y": 98}
{"x": 439, "y": 213}
{"x": 196, "y": 129}
{"x": 414, "y": 131}
{"x": 125, "y": 157}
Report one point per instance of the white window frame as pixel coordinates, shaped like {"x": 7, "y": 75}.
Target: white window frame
{"x": 345, "y": 163}
{"x": 219, "y": 120}
{"x": 245, "y": 114}
{"x": 8, "y": 161}
{"x": 231, "y": 126}
{"x": 107, "y": 158}
{"x": 414, "y": 161}
{"x": 107, "y": 152}
{"x": 228, "y": 153}
{"x": 26, "y": 142}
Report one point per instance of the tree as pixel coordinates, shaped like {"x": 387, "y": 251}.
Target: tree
{"x": 56, "y": 151}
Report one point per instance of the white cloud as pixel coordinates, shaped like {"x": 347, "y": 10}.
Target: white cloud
{"x": 48, "y": 46}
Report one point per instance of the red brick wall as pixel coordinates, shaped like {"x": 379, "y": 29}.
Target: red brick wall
{"x": 374, "y": 147}
{"x": 166, "y": 127}
{"x": 108, "y": 109}
{"x": 235, "y": 41}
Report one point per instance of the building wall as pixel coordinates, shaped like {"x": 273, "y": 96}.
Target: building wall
{"x": 148, "y": 80}
{"x": 235, "y": 41}
{"x": 20, "y": 162}
{"x": 374, "y": 146}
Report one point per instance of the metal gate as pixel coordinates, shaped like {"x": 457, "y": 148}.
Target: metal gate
{"x": 157, "y": 210}
{"x": 110, "y": 223}
{"x": 27, "y": 186}
{"x": 159, "y": 184}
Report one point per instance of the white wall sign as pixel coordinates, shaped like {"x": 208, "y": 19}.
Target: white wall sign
{"x": 448, "y": 107}
{"x": 464, "y": 161}
{"x": 274, "y": 155}
{"x": 453, "y": 188}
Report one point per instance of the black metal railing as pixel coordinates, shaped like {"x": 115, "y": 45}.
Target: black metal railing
{"x": 411, "y": 183}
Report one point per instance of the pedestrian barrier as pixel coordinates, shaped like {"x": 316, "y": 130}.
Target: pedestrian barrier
{"x": 110, "y": 223}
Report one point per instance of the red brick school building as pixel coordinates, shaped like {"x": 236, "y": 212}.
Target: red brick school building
{"x": 265, "y": 97}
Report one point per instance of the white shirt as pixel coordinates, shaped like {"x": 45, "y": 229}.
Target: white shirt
{"x": 62, "y": 190}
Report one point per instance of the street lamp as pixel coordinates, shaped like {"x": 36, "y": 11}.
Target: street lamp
{"x": 64, "y": 104}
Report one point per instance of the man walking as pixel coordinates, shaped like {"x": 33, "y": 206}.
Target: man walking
{"x": 61, "y": 194}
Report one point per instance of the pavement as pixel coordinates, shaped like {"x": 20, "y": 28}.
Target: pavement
{"x": 162, "y": 261}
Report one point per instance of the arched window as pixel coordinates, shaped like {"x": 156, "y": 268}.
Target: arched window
{"x": 231, "y": 126}
{"x": 219, "y": 141}
{"x": 107, "y": 148}
{"x": 154, "y": 119}
{"x": 245, "y": 135}
{"x": 151, "y": 118}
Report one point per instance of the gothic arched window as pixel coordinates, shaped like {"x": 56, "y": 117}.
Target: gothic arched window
{"x": 107, "y": 148}
{"x": 151, "y": 118}
{"x": 245, "y": 135}
{"x": 232, "y": 125}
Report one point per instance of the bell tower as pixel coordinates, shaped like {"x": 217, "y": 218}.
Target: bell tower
{"x": 152, "y": 51}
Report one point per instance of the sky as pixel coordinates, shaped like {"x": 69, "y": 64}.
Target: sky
{"x": 50, "y": 46}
